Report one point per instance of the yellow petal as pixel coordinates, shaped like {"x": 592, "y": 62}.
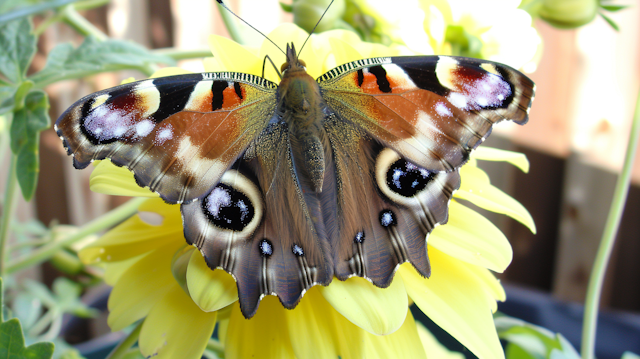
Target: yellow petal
{"x": 113, "y": 271}
{"x": 322, "y": 45}
{"x": 134, "y": 236}
{"x": 169, "y": 71}
{"x": 481, "y": 193}
{"x": 472, "y": 238}
{"x": 495, "y": 154}
{"x": 211, "y": 64}
{"x": 266, "y": 335}
{"x": 233, "y": 56}
{"x": 490, "y": 284}
{"x": 210, "y": 289}
{"x": 319, "y": 331}
{"x": 404, "y": 343}
{"x": 176, "y": 328}
{"x": 432, "y": 347}
{"x": 368, "y": 49}
{"x": 107, "y": 178}
{"x": 455, "y": 299}
{"x": 140, "y": 287}
{"x": 343, "y": 52}
{"x": 223, "y": 327}
{"x": 379, "y": 311}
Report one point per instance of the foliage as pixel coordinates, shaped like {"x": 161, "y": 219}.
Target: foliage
{"x": 24, "y": 114}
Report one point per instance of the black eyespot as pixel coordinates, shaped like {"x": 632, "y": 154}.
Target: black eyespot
{"x": 228, "y": 208}
{"x": 265, "y": 247}
{"x": 297, "y": 250}
{"x": 359, "y": 238}
{"x": 387, "y": 218}
{"x": 407, "y": 179}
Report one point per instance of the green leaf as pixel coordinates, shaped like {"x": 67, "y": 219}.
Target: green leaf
{"x": 6, "y": 97}
{"x": 629, "y": 355}
{"x": 614, "y": 8}
{"x": 568, "y": 351}
{"x": 610, "y": 21}
{"x": 41, "y": 292}
{"x": 12, "y": 343}
{"x": 27, "y": 307}
{"x": 93, "y": 56}
{"x": 536, "y": 341}
{"x": 27, "y": 124}
{"x": 286, "y": 7}
{"x": 18, "y": 47}
{"x": 67, "y": 293}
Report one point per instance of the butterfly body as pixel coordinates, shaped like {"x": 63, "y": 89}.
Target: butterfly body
{"x": 303, "y": 110}
{"x": 288, "y": 186}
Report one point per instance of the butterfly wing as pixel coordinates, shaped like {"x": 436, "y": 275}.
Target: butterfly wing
{"x": 402, "y": 128}
{"x": 258, "y": 225}
{"x": 177, "y": 134}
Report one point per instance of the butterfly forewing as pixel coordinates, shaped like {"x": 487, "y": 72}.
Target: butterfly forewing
{"x": 176, "y": 134}
{"x": 433, "y": 110}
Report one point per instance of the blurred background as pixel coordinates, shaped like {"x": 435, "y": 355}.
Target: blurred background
{"x": 587, "y": 81}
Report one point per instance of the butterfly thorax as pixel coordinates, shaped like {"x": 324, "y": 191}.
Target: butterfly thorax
{"x": 301, "y": 106}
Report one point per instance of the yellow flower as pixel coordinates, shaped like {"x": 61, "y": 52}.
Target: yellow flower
{"x": 156, "y": 276}
{"x": 490, "y": 29}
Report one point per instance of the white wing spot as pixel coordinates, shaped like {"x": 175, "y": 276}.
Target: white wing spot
{"x": 442, "y": 109}
{"x": 165, "y": 133}
{"x": 144, "y": 127}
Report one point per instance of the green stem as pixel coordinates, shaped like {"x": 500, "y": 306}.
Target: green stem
{"x": 42, "y": 323}
{"x": 7, "y": 209}
{"x": 72, "y": 18}
{"x": 608, "y": 239}
{"x": 122, "y": 348}
{"x": 34, "y": 9}
{"x": 104, "y": 222}
{"x": 183, "y": 54}
{"x": 1, "y": 301}
{"x": 90, "y": 4}
{"x": 230, "y": 22}
{"x": 216, "y": 347}
{"x": 46, "y": 23}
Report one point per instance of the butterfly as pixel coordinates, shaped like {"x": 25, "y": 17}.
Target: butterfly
{"x": 286, "y": 186}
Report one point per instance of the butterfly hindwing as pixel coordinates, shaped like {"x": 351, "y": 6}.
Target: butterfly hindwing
{"x": 259, "y": 226}
{"x": 177, "y": 134}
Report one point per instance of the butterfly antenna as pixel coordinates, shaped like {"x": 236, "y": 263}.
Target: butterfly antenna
{"x": 258, "y": 31}
{"x": 314, "y": 28}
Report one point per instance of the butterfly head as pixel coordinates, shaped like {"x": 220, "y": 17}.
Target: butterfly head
{"x": 293, "y": 62}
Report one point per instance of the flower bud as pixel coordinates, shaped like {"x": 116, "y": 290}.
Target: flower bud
{"x": 306, "y": 14}
{"x": 568, "y": 14}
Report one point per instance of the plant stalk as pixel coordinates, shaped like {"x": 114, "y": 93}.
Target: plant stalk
{"x": 34, "y": 9}
{"x": 123, "y": 347}
{"x": 608, "y": 239}
{"x": 231, "y": 23}
{"x": 101, "y": 223}
{"x": 8, "y": 208}
{"x": 72, "y": 18}
{"x": 183, "y": 54}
